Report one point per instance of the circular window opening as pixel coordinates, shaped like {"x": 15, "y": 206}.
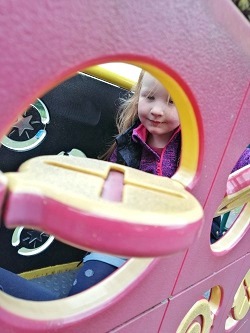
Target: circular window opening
{"x": 200, "y": 317}
{"x": 90, "y": 117}
{"x": 241, "y": 304}
{"x": 214, "y": 297}
{"x": 232, "y": 218}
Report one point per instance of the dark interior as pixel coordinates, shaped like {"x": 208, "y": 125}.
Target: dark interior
{"x": 82, "y": 115}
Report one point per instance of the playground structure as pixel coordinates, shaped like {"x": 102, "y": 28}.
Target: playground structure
{"x": 201, "y": 52}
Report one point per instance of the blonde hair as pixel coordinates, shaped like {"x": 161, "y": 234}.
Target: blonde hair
{"x": 127, "y": 113}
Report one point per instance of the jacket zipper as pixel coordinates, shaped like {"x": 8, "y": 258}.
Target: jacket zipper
{"x": 159, "y": 164}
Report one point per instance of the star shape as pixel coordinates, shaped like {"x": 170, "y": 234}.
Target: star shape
{"x": 23, "y": 124}
{"x": 35, "y": 236}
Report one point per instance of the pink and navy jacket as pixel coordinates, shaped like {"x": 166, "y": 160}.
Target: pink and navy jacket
{"x": 133, "y": 151}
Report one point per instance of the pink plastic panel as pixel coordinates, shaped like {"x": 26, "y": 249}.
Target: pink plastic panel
{"x": 93, "y": 213}
{"x": 114, "y": 313}
{"x": 235, "y": 184}
{"x": 209, "y": 261}
{"x": 244, "y": 327}
{"x": 94, "y": 232}
{"x": 212, "y": 315}
{"x": 208, "y": 46}
{"x": 147, "y": 322}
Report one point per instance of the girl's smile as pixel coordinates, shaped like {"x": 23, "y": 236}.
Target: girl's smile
{"x": 156, "y": 122}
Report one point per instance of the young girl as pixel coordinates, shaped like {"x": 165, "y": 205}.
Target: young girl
{"x": 149, "y": 140}
{"x": 149, "y": 128}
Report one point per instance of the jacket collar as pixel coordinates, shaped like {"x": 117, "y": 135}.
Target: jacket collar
{"x": 140, "y": 134}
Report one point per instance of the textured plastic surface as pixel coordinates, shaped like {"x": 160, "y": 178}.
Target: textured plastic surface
{"x": 104, "y": 207}
{"x": 204, "y": 43}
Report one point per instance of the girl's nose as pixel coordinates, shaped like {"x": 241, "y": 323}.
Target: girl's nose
{"x": 157, "y": 110}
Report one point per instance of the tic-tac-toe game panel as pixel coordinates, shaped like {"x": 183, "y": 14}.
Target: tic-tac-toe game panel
{"x": 182, "y": 274}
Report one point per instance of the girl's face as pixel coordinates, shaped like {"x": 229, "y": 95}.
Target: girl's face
{"x": 157, "y": 111}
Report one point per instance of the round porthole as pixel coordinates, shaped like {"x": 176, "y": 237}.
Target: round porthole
{"x": 233, "y": 215}
{"x": 200, "y": 317}
{"x": 133, "y": 223}
{"x": 140, "y": 211}
{"x": 241, "y": 304}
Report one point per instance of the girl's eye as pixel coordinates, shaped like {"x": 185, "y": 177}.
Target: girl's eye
{"x": 171, "y": 101}
{"x": 151, "y": 98}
